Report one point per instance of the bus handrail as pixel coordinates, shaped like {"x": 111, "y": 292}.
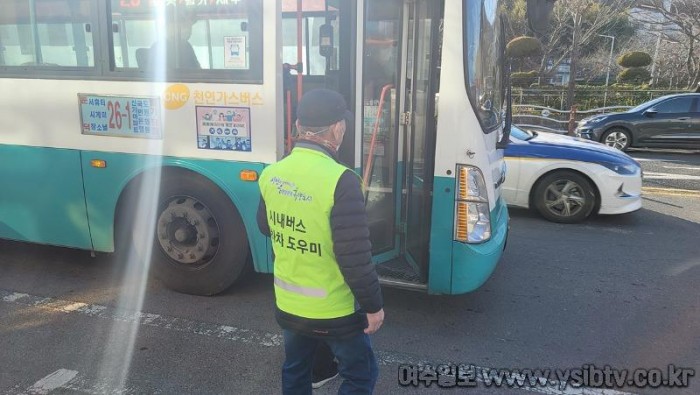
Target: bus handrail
{"x": 300, "y": 55}
{"x": 370, "y": 156}
{"x": 288, "y": 95}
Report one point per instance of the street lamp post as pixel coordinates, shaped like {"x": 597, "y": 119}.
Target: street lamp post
{"x": 607, "y": 77}
{"x": 656, "y": 54}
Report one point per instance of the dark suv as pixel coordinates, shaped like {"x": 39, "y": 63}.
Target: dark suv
{"x": 666, "y": 122}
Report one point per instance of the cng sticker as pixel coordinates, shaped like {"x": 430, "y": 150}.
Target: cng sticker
{"x": 176, "y": 96}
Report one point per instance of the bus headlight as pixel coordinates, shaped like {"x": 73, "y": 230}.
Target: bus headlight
{"x": 472, "y": 217}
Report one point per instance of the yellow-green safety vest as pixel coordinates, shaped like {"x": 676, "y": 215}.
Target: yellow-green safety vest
{"x": 299, "y": 194}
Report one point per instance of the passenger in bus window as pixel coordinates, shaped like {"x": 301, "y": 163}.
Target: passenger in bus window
{"x": 176, "y": 48}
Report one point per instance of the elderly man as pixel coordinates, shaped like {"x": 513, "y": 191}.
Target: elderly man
{"x": 326, "y": 287}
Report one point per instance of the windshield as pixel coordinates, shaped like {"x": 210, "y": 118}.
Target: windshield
{"x": 483, "y": 59}
{"x": 520, "y": 134}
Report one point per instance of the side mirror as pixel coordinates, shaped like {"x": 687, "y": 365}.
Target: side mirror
{"x": 508, "y": 121}
{"x": 325, "y": 40}
{"x": 650, "y": 113}
{"x": 539, "y": 13}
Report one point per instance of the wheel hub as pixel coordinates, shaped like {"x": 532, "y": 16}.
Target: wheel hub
{"x": 564, "y": 198}
{"x": 617, "y": 140}
{"x": 187, "y": 231}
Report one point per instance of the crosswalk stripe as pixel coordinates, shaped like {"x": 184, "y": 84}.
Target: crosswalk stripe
{"x": 235, "y": 334}
{"x": 51, "y": 382}
{"x": 650, "y": 175}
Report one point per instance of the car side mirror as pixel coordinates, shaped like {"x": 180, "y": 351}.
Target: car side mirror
{"x": 650, "y": 113}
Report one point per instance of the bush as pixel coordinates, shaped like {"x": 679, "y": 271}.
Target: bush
{"x": 635, "y": 75}
{"x": 523, "y": 47}
{"x": 523, "y": 78}
{"x": 634, "y": 59}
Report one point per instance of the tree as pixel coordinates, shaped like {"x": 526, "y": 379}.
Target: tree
{"x": 676, "y": 21}
{"x": 671, "y": 65}
{"x": 634, "y": 59}
{"x": 523, "y": 47}
{"x": 516, "y": 18}
{"x": 516, "y": 26}
{"x": 634, "y": 63}
{"x": 634, "y": 75}
{"x": 576, "y": 24}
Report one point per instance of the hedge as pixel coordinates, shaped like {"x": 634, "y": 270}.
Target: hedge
{"x": 523, "y": 78}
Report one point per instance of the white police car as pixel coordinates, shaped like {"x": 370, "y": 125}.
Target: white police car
{"x": 567, "y": 179}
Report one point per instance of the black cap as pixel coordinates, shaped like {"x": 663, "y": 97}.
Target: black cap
{"x": 321, "y": 107}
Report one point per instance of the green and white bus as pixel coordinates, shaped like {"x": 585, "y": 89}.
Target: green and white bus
{"x": 111, "y": 141}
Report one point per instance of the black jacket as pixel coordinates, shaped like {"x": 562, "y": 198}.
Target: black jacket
{"x": 353, "y": 252}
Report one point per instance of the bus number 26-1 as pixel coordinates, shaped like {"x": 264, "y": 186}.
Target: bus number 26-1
{"x": 115, "y": 115}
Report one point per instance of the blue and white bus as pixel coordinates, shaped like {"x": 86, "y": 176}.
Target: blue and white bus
{"x": 110, "y": 141}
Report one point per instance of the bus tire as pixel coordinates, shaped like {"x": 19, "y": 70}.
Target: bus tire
{"x": 200, "y": 245}
{"x": 564, "y": 196}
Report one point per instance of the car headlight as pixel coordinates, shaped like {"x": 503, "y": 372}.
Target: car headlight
{"x": 597, "y": 120}
{"x": 622, "y": 168}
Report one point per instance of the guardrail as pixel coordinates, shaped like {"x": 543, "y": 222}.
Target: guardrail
{"x": 554, "y": 120}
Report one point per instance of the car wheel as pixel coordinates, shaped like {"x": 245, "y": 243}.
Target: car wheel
{"x": 198, "y": 243}
{"x": 617, "y": 138}
{"x": 564, "y": 197}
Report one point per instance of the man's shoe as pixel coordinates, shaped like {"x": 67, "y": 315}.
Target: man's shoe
{"x": 318, "y": 382}
{"x": 325, "y": 369}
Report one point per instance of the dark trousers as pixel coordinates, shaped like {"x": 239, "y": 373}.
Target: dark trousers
{"x": 324, "y": 363}
{"x": 356, "y": 363}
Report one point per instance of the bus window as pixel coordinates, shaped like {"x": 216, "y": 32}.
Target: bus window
{"x": 47, "y": 33}
{"x": 484, "y": 59}
{"x": 186, "y": 38}
{"x": 314, "y": 16}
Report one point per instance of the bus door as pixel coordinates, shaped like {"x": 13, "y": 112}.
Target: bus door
{"x": 325, "y": 63}
{"x": 401, "y": 51}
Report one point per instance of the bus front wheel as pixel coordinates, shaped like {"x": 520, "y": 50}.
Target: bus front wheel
{"x": 199, "y": 243}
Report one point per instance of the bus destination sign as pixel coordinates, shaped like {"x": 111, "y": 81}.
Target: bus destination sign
{"x": 120, "y": 116}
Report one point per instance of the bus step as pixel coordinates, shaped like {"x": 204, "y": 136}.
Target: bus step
{"x": 398, "y": 272}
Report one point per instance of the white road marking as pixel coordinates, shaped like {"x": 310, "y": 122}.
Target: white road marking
{"x": 14, "y": 296}
{"x": 51, "y": 382}
{"x": 655, "y": 160}
{"x": 235, "y": 334}
{"x": 83, "y": 385}
{"x": 669, "y": 191}
{"x": 683, "y": 167}
{"x": 648, "y": 175}
{"x": 147, "y": 319}
{"x": 66, "y": 379}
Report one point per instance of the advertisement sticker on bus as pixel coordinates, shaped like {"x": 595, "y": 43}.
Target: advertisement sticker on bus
{"x": 223, "y": 128}
{"x": 176, "y": 96}
{"x": 120, "y": 116}
{"x": 228, "y": 98}
{"x": 234, "y": 53}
